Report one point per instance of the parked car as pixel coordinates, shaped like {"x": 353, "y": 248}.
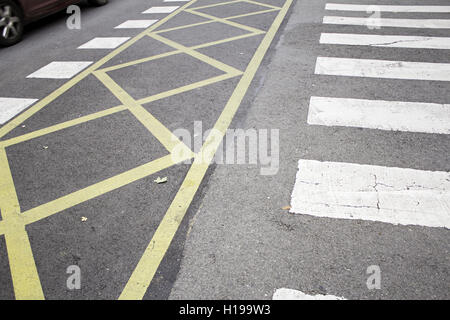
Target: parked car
{"x": 14, "y": 14}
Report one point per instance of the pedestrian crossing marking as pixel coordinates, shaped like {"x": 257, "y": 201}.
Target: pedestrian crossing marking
{"x": 10, "y": 107}
{"x": 375, "y": 193}
{"x": 383, "y": 69}
{"x": 60, "y": 70}
{"x": 386, "y": 8}
{"x": 379, "y": 114}
{"x": 389, "y": 22}
{"x": 388, "y": 41}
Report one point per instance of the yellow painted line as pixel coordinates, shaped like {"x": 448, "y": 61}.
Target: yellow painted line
{"x": 157, "y": 248}
{"x": 210, "y": 21}
{"x": 252, "y": 13}
{"x": 188, "y": 87}
{"x": 225, "y": 21}
{"x": 61, "y": 126}
{"x": 167, "y": 54}
{"x": 45, "y": 210}
{"x": 210, "y": 44}
{"x": 58, "y": 92}
{"x": 200, "y": 56}
{"x": 261, "y": 4}
{"x": 138, "y": 61}
{"x": 24, "y": 274}
{"x": 184, "y": 27}
{"x": 217, "y": 4}
{"x": 164, "y": 135}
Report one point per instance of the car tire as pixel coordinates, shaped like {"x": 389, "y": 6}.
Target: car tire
{"x": 97, "y": 3}
{"x": 11, "y": 23}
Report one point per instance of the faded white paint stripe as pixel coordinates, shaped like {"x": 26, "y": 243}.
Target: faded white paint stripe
{"x": 290, "y": 294}
{"x": 10, "y": 107}
{"x": 385, "y": 41}
{"x": 104, "y": 43}
{"x": 386, "y": 8}
{"x": 166, "y": 9}
{"x": 388, "y": 22}
{"x": 383, "y": 69}
{"x": 375, "y": 193}
{"x": 379, "y": 114}
{"x": 60, "y": 69}
{"x": 136, "y": 24}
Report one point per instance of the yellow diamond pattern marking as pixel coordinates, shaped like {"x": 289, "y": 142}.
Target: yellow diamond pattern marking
{"x": 24, "y": 274}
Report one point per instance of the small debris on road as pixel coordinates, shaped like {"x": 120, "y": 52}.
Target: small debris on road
{"x": 160, "y": 180}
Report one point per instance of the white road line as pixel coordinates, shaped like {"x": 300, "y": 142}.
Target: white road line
{"x": 136, "y": 24}
{"x": 385, "y": 41}
{"x": 10, "y": 107}
{"x": 60, "y": 69}
{"x": 386, "y": 8}
{"x": 374, "y": 193}
{"x": 290, "y": 294}
{"x": 176, "y": 0}
{"x": 161, "y": 9}
{"x": 104, "y": 43}
{"x": 383, "y": 69}
{"x": 379, "y": 114}
{"x": 387, "y": 22}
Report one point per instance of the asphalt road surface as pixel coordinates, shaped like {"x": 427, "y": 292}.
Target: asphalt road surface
{"x": 107, "y": 169}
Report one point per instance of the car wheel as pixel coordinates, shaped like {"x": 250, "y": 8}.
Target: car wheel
{"x": 11, "y": 23}
{"x": 97, "y": 3}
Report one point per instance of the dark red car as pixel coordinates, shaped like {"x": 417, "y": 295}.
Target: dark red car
{"x": 14, "y": 14}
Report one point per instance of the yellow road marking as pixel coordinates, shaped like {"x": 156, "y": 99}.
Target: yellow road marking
{"x": 200, "y": 56}
{"x": 164, "y": 135}
{"x": 217, "y": 4}
{"x": 210, "y": 44}
{"x": 21, "y": 262}
{"x": 23, "y": 269}
{"x": 61, "y": 126}
{"x": 225, "y": 21}
{"x": 98, "y": 189}
{"x": 58, "y": 92}
{"x": 138, "y": 61}
{"x": 155, "y": 251}
{"x": 261, "y": 4}
{"x": 215, "y": 20}
{"x": 188, "y": 87}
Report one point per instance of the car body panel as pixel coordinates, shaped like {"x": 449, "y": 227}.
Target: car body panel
{"x": 34, "y": 9}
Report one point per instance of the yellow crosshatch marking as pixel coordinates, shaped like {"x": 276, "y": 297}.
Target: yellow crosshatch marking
{"x": 24, "y": 274}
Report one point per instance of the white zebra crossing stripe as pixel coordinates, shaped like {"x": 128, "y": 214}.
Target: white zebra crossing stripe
{"x": 10, "y": 107}
{"x": 104, "y": 43}
{"x": 290, "y": 294}
{"x": 388, "y": 22}
{"x": 379, "y": 114}
{"x": 385, "y": 41}
{"x": 383, "y": 69}
{"x": 136, "y": 24}
{"x": 374, "y": 193}
{"x": 167, "y": 9}
{"x": 60, "y": 69}
{"x": 386, "y": 8}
